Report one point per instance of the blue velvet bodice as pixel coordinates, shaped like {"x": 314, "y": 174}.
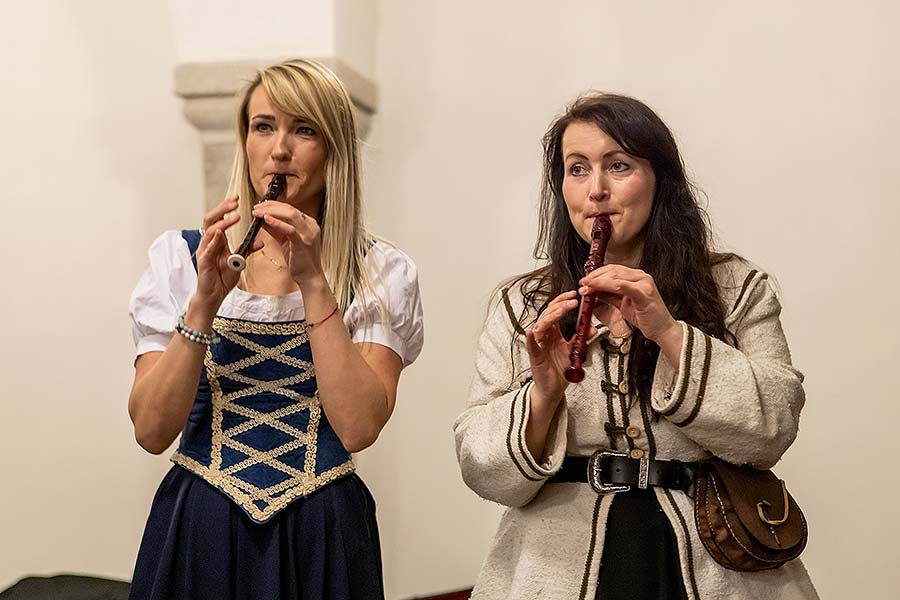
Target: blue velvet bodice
{"x": 256, "y": 430}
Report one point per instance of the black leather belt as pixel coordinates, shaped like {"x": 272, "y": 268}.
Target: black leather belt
{"x": 609, "y": 472}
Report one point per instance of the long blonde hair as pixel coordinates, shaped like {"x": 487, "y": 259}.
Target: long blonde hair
{"x": 305, "y": 88}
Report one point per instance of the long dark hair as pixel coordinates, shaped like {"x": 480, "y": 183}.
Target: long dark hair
{"x": 677, "y": 250}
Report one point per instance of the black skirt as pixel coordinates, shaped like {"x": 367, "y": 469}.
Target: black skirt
{"x": 198, "y": 544}
{"x": 640, "y": 552}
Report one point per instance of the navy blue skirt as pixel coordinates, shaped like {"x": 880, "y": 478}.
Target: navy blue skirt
{"x": 199, "y": 544}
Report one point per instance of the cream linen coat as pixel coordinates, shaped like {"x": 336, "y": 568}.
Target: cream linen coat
{"x": 742, "y": 405}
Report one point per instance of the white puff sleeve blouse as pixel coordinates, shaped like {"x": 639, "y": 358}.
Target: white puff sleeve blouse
{"x": 169, "y": 282}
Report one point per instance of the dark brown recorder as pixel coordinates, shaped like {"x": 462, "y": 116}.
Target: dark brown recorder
{"x": 238, "y": 260}
{"x": 600, "y": 233}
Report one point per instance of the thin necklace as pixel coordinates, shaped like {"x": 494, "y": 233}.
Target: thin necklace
{"x": 272, "y": 260}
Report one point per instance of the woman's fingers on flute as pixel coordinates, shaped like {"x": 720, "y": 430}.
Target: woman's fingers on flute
{"x": 546, "y": 330}
{"x": 548, "y": 318}
{"x": 612, "y": 272}
{"x": 618, "y": 280}
{"x": 539, "y": 351}
{"x": 531, "y": 345}
{"x": 564, "y": 297}
{"x": 285, "y": 222}
{"x": 613, "y": 291}
{"x": 634, "y": 293}
{"x": 218, "y": 226}
{"x": 207, "y": 243}
{"x": 216, "y": 222}
{"x": 210, "y": 248}
{"x": 566, "y": 301}
{"x": 283, "y": 212}
{"x": 225, "y": 206}
{"x": 280, "y": 230}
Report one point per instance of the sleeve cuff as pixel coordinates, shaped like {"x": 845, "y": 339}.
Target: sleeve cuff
{"x": 554, "y": 448}
{"x": 377, "y": 333}
{"x": 154, "y": 342}
{"x": 678, "y": 393}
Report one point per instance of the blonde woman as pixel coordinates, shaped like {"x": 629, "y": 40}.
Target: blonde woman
{"x": 275, "y": 376}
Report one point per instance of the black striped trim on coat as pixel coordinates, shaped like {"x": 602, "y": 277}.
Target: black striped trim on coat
{"x": 510, "y": 312}
{"x": 529, "y": 460}
{"x": 704, "y": 376}
{"x": 687, "y": 542}
{"x": 745, "y": 286}
{"x": 509, "y": 435}
{"x": 645, "y": 417}
{"x": 685, "y": 377}
{"x": 591, "y": 549}
{"x": 610, "y": 410}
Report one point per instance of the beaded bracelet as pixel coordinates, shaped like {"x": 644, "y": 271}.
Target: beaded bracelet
{"x": 207, "y": 339}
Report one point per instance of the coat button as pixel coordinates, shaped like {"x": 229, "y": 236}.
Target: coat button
{"x": 637, "y": 453}
{"x": 633, "y": 431}
{"x": 623, "y": 387}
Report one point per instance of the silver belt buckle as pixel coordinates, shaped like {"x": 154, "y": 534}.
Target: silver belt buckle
{"x": 595, "y": 473}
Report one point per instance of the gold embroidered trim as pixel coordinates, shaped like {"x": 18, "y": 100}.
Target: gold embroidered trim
{"x": 298, "y": 328}
{"x": 312, "y": 428}
{"x": 299, "y": 482}
{"x": 232, "y": 486}
{"x": 268, "y": 457}
{"x": 264, "y": 353}
{"x": 278, "y": 386}
{"x": 215, "y": 455}
{"x": 271, "y": 419}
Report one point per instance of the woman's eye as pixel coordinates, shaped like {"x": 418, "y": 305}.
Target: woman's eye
{"x": 577, "y": 170}
{"x": 262, "y": 127}
{"x": 618, "y": 166}
{"x": 304, "y": 130}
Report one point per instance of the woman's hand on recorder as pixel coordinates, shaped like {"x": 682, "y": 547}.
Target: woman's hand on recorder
{"x": 165, "y": 383}
{"x": 299, "y": 235}
{"x": 548, "y": 353}
{"x": 214, "y": 278}
{"x": 634, "y": 294}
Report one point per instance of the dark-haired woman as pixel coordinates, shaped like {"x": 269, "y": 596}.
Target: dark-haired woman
{"x": 687, "y": 359}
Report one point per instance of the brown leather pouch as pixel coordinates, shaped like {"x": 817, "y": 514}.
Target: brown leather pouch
{"x": 746, "y": 518}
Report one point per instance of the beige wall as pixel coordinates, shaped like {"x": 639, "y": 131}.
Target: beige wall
{"x": 786, "y": 115}
{"x": 783, "y": 113}
{"x": 215, "y": 30}
{"x": 97, "y": 160}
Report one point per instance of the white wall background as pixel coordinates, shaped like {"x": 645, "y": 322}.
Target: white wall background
{"x": 215, "y": 30}
{"x": 784, "y": 113}
{"x": 96, "y": 161}
{"x": 220, "y": 30}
